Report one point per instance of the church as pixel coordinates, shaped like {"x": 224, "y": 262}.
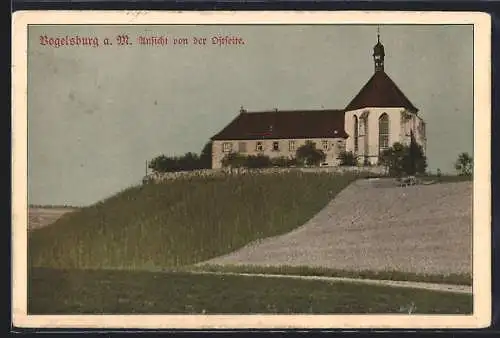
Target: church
{"x": 377, "y": 117}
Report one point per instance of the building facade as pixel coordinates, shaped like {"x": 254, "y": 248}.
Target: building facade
{"x": 376, "y": 118}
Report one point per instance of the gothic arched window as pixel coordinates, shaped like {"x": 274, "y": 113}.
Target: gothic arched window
{"x": 356, "y": 132}
{"x": 383, "y": 132}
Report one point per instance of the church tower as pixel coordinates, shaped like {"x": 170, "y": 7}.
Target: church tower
{"x": 378, "y": 54}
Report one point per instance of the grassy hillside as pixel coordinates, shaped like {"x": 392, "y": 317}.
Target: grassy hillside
{"x": 125, "y": 292}
{"x": 182, "y": 222}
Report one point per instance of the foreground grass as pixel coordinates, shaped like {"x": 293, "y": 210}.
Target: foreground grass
{"x": 52, "y": 291}
{"x": 182, "y": 222}
{"x": 458, "y": 279}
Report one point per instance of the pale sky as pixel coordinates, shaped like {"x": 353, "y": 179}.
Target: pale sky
{"x": 95, "y": 115}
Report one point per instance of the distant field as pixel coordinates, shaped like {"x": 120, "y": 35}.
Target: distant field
{"x": 39, "y": 217}
{"x": 126, "y": 292}
{"x": 52, "y": 206}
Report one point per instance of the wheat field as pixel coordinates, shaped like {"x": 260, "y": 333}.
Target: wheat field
{"x": 375, "y": 225}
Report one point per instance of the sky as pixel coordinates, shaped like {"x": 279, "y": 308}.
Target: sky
{"x": 97, "y": 114}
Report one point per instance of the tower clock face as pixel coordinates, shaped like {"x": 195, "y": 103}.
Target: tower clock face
{"x": 377, "y": 57}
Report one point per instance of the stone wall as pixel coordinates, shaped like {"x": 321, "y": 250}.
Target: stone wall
{"x": 163, "y": 177}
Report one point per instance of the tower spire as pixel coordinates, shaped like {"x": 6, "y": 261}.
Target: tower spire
{"x": 378, "y": 53}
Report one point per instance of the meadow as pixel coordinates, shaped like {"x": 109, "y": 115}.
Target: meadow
{"x": 182, "y": 222}
{"x": 454, "y": 278}
{"x": 135, "y": 292}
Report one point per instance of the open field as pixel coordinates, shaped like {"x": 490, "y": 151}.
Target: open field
{"x": 373, "y": 225}
{"x": 116, "y": 292}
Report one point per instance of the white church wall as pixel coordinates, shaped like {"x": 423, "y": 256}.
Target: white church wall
{"x": 373, "y": 114}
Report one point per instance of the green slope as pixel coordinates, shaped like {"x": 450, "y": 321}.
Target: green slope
{"x": 182, "y": 222}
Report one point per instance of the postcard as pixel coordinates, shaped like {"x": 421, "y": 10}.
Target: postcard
{"x": 279, "y": 170}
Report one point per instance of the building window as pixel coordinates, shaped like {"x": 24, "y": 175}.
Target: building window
{"x": 356, "y": 134}
{"x": 324, "y": 143}
{"x": 227, "y": 147}
{"x": 259, "y": 146}
{"x": 276, "y": 146}
{"x": 291, "y": 145}
{"x": 383, "y": 132}
{"x": 341, "y": 146}
{"x": 242, "y": 147}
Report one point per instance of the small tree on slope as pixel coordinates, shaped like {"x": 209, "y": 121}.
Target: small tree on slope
{"x": 464, "y": 164}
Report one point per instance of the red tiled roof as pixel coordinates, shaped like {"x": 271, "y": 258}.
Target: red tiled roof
{"x": 380, "y": 91}
{"x": 284, "y": 125}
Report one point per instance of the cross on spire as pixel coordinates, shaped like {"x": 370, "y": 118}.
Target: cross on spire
{"x": 378, "y": 33}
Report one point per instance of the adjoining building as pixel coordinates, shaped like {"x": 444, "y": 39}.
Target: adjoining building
{"x": 377, "y": 117}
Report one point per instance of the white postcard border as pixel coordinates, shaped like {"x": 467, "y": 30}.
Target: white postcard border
{"x": 482, "y": 174}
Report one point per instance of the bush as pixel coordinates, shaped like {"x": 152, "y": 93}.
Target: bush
{"x": 258, "y": 161}
{"x": 309, "y": 154}
{"x": 188, "y": 162}
{"x": 464, "y": 164}
{"x": 401, "y": 159}
{"x": 283, "y": 162}
{"x": 234, "y": 160}
{"x": 347, "y": 158}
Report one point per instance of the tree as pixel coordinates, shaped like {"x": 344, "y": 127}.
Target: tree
{"x": 187, "y": 162}
{"x": 392, "y": 159}
{"x": 159, "y": 163}
{"x": 413, "y": 155}
{"x": 347, "y": 158}
{"x": 402, "y": 159}
{"x": 309, "y": 154}
{"x": 464, "y": 164}
{"x": 206, "y": 156}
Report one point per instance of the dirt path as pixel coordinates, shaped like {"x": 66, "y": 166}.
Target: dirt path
{"x": 463, "y": 289}
{"x": 373, "y": 225}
